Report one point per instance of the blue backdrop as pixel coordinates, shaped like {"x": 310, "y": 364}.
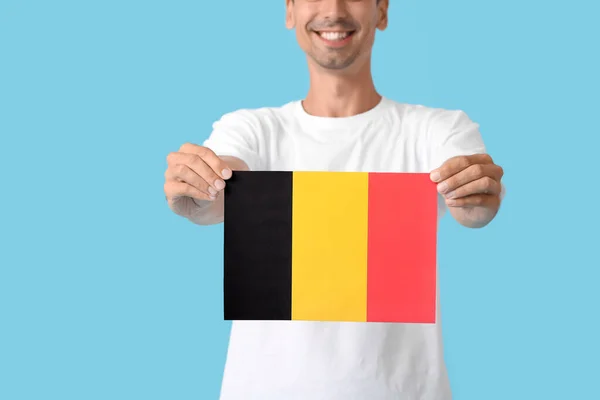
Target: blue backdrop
{"x": 106, "y": 294}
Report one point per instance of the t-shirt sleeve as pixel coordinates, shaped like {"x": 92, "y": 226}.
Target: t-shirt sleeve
{"x": 453, "y": 133}
{"x": 236, "y": 134}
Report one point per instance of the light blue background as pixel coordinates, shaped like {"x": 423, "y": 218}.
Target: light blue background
{"x": 105, "y": 294}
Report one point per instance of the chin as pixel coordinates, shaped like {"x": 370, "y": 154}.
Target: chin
{"x": 334, "y": 63}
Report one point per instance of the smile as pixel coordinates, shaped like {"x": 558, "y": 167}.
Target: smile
{"x": 335, "y": 38}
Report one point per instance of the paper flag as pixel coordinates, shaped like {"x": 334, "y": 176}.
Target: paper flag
{"x": 330, "y": 246}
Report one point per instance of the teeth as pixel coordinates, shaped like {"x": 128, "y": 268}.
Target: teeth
{"x": 334, "y": 35}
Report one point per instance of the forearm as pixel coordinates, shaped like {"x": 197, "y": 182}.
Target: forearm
{"x": 478, "y": 216}
{"x": 474, "y": 217}
{"x": 205, "y": 212}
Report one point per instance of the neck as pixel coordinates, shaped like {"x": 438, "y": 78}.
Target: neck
{"x": 340, "y": 94}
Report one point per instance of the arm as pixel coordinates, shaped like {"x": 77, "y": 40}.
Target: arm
{"x": 471, "y": 187}
{"x": 469, "y": 182}
{"x": 207, "y": 212}
{"x": 196, "y": 175}
{"x": 195, "y": 180}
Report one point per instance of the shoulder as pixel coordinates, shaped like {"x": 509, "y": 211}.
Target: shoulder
{"x": 247, "y": 133}
{"x": 429, "y": 120}
{"x": 435, "y": 125}
{"x": 255, "y": 119}
{"x": 442, "y": 133}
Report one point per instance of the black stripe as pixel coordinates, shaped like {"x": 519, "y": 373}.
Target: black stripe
{"x": 258, "y": 246}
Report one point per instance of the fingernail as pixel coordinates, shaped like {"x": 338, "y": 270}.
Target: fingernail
{"x": 442, "y": 187}
{"x": 212, "y": 198}
{"x": 451, "y": 202}
{"x": 435, "y": 176}
{"x": 212, "y": 191}
{"x": 226, "y": 173}
{"x": 219, "y": 184}
{"x": 450, "y": 195}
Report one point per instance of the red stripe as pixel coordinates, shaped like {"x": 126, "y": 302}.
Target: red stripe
{"x": 401, "y": 277}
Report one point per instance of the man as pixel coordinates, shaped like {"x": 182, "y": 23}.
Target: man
{"x": 343, "y": 124}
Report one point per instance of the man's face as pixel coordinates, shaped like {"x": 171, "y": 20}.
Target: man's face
{"x": 336, "y": 33}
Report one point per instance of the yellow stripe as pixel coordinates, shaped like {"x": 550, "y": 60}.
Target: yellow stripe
{"x": 329, "y": 246}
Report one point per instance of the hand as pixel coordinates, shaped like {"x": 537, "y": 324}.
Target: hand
{"x": 194, "y": 172}
{"x": 471, "y": 183}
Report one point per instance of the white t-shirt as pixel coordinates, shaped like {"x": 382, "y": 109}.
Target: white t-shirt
{"x": 297, "y": 360}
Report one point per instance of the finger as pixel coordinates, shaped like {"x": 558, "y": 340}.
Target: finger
{"x": 174, "y": 189}
{"x": 475, "y": 200}
{"x": 456, "y": 164}
{"x": 219, "y": 166}
{"x": 183, "y": 173}
{"x": 197, "y": 164}
{"x": 470, "y": 174}
{"x": 485, "y": 185}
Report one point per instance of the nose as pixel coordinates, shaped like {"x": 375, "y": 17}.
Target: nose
{"x": 333, "y": 9}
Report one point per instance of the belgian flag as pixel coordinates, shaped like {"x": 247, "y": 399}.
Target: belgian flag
{"x": 330, "y": 246}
